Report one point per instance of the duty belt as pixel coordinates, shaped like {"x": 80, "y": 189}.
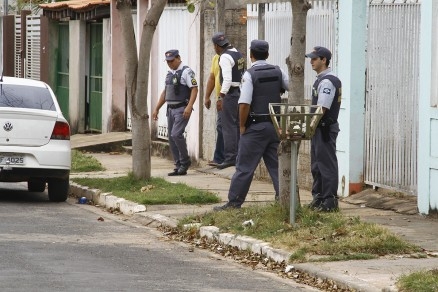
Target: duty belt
{"x": 259, "y": 119}
{"x": 177, "y": 105}
{"x": 233, "y": 88}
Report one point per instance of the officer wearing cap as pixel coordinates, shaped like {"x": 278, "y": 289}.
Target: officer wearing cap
{"x": 262, "y": 84}
{"x": 327, "y": 93}
{"x": 232, "y": 66}
{"x": 181, "y": 89}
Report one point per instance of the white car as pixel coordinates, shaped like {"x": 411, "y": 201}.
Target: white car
{"x": 34, "y": 138}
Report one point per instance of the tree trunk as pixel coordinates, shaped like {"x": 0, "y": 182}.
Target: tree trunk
{"x": 137, "y": 81}
{"x": 295, "y": 64}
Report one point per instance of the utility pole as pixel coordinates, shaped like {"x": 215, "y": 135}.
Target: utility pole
{"x": 220, "y": 16}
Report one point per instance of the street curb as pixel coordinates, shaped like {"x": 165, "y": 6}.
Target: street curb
{"x": 150, "y": 219}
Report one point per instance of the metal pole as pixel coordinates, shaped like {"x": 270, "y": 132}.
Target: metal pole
{"x": 293, "y": 181}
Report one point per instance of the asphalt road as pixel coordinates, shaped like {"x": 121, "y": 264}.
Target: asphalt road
{"x": 48, "y": 246}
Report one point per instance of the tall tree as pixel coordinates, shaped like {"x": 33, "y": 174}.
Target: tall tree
{"x": 137, "y": 80}
{"x": 295, "y": 64}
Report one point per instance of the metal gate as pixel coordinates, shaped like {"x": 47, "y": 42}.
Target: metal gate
{"x": 391, "y": 115}
{"x": 32, "y": 61}
{"x": 18, "y": 47}
{"x": 95, "y": 79}
{"x": 321, "y": 30}
{"x": 62, "y": 75}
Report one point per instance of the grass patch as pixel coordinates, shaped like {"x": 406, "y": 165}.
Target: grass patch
{"x": 422, "y": 281}
{"x": 81, "y": 162}
{"x": 316, "y": 236}
{"x": 155, "y": 191}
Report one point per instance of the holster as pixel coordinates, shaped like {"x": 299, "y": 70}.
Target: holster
{"x": 324, "y": 125}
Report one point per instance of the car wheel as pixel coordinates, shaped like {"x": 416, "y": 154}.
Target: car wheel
{"x": 58, "y": 189}
{"x": 36, "y": 186}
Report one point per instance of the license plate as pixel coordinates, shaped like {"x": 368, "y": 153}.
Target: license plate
{"x": 11, "y": 159}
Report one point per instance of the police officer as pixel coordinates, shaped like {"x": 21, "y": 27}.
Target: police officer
{"x": 180, "y": 94}
{"x": 261, "y": 84}
{"x": 232, "y": 66}
{"x": 327, "y": 93}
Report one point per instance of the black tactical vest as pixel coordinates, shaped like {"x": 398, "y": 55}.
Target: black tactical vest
{"x": 267, "y": 82}
{"x": 175, "y": 91}
{"x": 238, "y": 68}
{"x": 333, "y": 112}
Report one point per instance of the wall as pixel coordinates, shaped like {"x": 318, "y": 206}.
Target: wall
{"x": 235, "y": 30}
{"x": 77, "y": 71}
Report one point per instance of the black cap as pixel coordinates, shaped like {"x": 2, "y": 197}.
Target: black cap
{"x": 320, "y": 52}
{"x": 171, "y": 54}
{"x": 219, "y": 39}
{"x": 260, "y": 46}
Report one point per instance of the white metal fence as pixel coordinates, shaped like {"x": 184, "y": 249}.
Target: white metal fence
{"x": 321, "y": 31}
{"x": 391, "y": 116}
{"x": 174, "y": 27}
{"x": 33, "y": 44}
{"x": 31, "y": 49}
{"x": 18, "y": 47}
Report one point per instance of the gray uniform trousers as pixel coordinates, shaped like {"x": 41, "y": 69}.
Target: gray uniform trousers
{"x": 259, "y": 140}
{"x": 176, "y": 125}
{"x": 230, "y": 125}
{"x": 324, "y": 164}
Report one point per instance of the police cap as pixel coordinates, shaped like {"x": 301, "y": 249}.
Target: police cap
{"x": 320, "y": 52}
{"x": 260, "y": 46}
{"x": 171, "y": 54}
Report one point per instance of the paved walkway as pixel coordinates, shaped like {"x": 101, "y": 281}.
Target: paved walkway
{"x": 370, "y": 275}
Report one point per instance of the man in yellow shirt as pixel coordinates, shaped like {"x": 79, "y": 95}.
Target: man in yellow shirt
{"x": 214, "y": 83}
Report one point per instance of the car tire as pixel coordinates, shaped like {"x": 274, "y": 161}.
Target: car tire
{"x": 36, "y": 186}
{"x": 58, "y": 189}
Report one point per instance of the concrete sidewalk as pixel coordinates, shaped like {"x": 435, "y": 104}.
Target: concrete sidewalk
{"x": 370, "y": 275}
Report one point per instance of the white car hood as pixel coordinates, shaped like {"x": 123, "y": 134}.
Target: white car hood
{"x": 26, "y": 127}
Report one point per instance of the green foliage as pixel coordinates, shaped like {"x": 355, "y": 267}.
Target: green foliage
{"x": 191, "y": 4}
{"x": 422, "y": 281}
{"x": 316, "y": 236}
{"x": 155, "y": 191}
{"x": 81, "y": 162}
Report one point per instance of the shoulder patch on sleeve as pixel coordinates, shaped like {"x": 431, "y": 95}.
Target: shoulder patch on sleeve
{"x": 326, "y": 90}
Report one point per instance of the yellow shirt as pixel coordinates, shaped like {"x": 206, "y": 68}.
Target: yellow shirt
{"x": 216, "y": 71}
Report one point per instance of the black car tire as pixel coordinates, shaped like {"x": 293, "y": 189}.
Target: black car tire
{"x": 36, "y": 186}
{"x": 58, "y": 189}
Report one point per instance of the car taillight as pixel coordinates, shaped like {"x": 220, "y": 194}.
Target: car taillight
{"x": 61, "y": 131}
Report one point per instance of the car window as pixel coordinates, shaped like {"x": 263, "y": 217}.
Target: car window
{"x": 31, "y": 97}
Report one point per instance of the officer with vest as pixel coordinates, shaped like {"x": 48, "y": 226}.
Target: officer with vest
{"x": 262, "y": 84}
{"x": 327, "y": 93}
{"x": 180, "y": 94}
{"x": 232, "y": 66}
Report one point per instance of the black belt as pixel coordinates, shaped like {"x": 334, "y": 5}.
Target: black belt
{"x": 259, "y": 119}
{"x": 233, "y": 88}
{"x": 177, "y": 105}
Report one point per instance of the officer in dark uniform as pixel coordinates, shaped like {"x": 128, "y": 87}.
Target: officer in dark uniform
{"x": 180, "y": 94}
{"x": 232, "y": 66}
{"x": 327, "y": 93}
{"x": 261, "y": 84}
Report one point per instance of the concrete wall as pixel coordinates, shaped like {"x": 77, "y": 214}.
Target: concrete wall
{"x": 428, "y": 109}
{"x": 352, "y": 35}
{"x": 116, "y": 122}
{"x": 107, "y": 117}
{"x": 78, "y": 56}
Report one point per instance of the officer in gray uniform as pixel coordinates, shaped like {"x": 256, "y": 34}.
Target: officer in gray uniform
{"x": 180, "y": 94}
{"x": 232, "y": 66}
{"x": 327, "y": 93}
{"x": 261, "y": 84}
